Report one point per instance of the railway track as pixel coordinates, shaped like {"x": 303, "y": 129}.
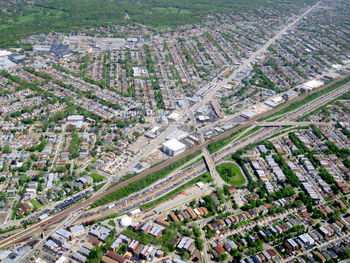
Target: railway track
{"x": 149, "y": 195}
{"x": 61, "y": 215}
{"x": 226, "y": 152}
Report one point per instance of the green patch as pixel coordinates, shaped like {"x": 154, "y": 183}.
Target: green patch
{"x": 98, "y": 186}
{"x": 111, "y": 223}
{"x": 231, "y": 174}
{"x": 171, "y": 11}
{"x": 205, "y": 177}
{"x": 215, "y": 146}
{"x": 96, "y": 177}
{"x": 249, "y": 133}
{"x": 122, "y": 249}
{"x": 36, "y": 203}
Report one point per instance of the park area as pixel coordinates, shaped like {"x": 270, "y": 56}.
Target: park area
{"x": 231, "y": 173}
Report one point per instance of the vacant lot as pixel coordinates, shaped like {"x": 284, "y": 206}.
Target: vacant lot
{"x": 231, "y": 173}
{"x": 3, "y": 216}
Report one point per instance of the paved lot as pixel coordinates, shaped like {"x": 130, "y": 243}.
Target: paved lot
{"x": 181, "y": 200}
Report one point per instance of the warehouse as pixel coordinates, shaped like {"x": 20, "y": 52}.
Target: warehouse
{"x": 248, "y": 114}
{"x": 173, "y": 147}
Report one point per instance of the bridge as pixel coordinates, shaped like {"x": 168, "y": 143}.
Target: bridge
{"x": 212, "y": 168}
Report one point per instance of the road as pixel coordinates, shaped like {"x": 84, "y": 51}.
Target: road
{"x": 294, "y": 123}
{"x": 147, "y": 150}
{"x": 291, "y": 259}
{"x": 246, "y": 63}
{"x": 212, "y": 168}
{"x": 61, "y": 215}
{"x": 41, "y": 243}
{"x": 227, "y": 151}
{"x": 205, "y": 252}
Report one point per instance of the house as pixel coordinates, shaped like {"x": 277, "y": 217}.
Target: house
{"x": 79, "y": 257}
{"x": 219, "y": 249}
{"x": 191, "y": 213}
{"x": 161, "y": 220}
{"x": 156, "y": 232}
{"x": 116, "y": 257}
{"x": 173, "y": 217}
{"x": 133, "y": 245}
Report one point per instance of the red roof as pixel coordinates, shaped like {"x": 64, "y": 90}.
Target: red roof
{"x": 219, "y": 249}
{"x": 115, "y": 256}
{"x": 271, "y": 252}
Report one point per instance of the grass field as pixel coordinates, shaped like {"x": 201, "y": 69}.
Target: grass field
{"x": 96, "y": 177}
{"x": 248, "y": 133}
{"x": 215, "y": 146}
{"x": 204, "y": 178}
{"x": 231, "y": 174}
{"x": 36, "y": 203}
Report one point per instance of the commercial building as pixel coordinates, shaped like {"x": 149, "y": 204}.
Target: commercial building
{"x": 173, "y": 147}
{"x": 248, "y": 114}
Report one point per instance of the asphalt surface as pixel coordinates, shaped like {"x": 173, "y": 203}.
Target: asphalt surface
{"x": 41, "y": 226}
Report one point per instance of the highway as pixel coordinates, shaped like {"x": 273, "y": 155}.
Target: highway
{"x": 196, "y": 169}
{"x": 293, "y": 123}
{"x": 41, "y": 226}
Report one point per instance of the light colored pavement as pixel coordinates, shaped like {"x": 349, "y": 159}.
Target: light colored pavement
{"x": 205, "y": 252}
{"x": 41, "y": 243}
{"x": 147, "y": 150}
{"x": 182, "y": 200}
{"x": 212, "y": 168}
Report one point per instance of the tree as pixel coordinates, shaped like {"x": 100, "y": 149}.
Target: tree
{"x": 6, "y": 149}
{"x": 185, "y": 255}
{"x": 222, "y": 257}
{"x": 197, "y": 231}
{"x": 74, "y": 146}
{"x": 199, "y": 243}
{"x": 2, "y": 196}
{"x": 336, "y": 216}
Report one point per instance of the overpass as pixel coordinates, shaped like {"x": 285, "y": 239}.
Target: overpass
{"x": 56, "y": 218}
{"x": 212, "y": 168}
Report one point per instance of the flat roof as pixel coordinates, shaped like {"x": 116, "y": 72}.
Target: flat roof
{"x": 248, "y": 113}
{"x": 174, "y": 145}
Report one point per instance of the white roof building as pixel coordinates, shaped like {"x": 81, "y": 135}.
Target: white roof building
{"x": 248, "y": 114}
{"x": 125, "y": 221}
{"x": 75, "y": 118}
{"x": 173, "y": 147}
{"x": 174, "y": 116}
